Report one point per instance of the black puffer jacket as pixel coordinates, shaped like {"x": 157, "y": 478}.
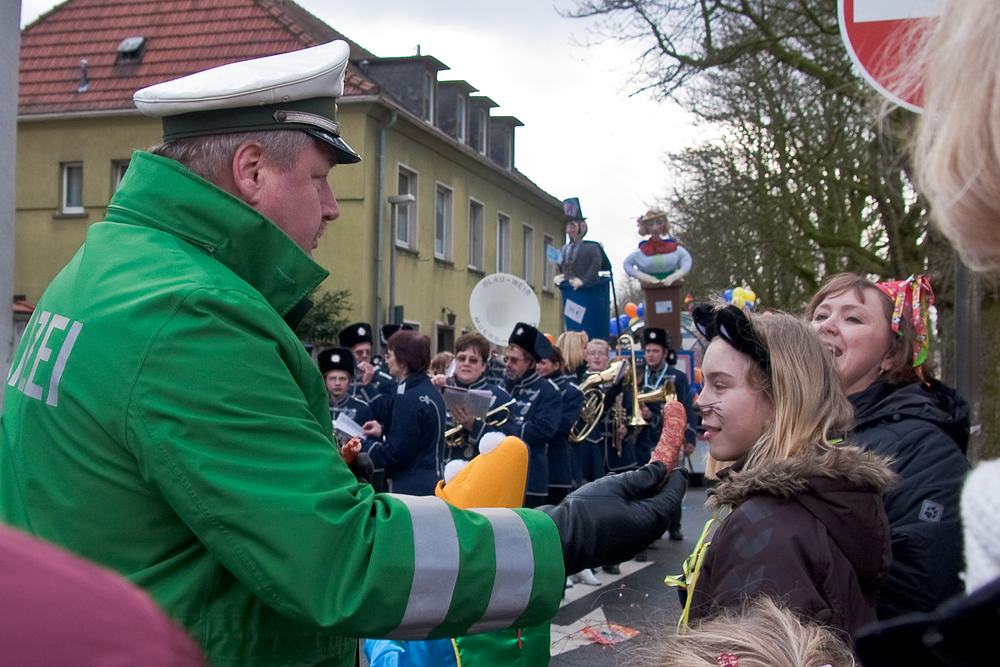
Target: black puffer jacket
{"x": 924, "y": 428}
{"x": 809, "y": 531}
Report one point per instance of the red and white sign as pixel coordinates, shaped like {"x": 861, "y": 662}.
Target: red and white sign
{"x": 880, "y": 38}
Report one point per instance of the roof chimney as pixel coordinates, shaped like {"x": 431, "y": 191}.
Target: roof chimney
{"x": 84, "y": 81}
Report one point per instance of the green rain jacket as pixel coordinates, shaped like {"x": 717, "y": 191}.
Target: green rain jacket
{"x": 162, "y": 419}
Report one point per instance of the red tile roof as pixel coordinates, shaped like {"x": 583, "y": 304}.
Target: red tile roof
{"x": 183, "y": 36}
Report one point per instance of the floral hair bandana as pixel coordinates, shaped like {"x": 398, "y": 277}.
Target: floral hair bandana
{"x": 913, "y": 298}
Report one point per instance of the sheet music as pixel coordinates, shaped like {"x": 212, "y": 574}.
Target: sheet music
{"x": 346, "y": 425}
{"x": 477, "y": 401}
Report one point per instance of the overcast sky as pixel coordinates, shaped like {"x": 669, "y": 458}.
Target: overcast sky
{"x": 583, "y": 135}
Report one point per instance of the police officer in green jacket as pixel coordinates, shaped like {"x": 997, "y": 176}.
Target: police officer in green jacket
{"x": 162, "y": 419}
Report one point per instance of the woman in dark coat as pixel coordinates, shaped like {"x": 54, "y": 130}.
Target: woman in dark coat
{"x": 904, "y": 414}
{"x": 807, "y": 526}
{"x": 412, "y": 453}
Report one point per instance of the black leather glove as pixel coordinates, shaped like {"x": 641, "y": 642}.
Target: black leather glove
{"x": 612, "y": 519}
{"x": 363, "y": 468}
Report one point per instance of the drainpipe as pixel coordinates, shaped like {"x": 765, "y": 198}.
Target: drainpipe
{"x": 380, "y": 225}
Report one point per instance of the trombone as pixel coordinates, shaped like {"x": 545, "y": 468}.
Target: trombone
{"x": 456, "y": 435}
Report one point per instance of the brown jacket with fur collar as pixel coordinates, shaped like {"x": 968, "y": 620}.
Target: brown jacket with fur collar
{"x": 810, "y": 531}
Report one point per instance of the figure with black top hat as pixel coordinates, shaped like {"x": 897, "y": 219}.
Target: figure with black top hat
{"x": 552, "y": 368}
{"x": 337, "y": 366}
{"x": 371, "y": 384}
{"x": 207, "y": 454}
{"x": 536, "y": 411}
{"x": 586, "y": 304}
{"x": 659, "y": 369}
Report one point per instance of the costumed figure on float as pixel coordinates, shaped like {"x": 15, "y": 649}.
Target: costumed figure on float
{"x": 586, "y": 303}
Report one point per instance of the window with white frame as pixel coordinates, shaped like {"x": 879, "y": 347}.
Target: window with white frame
{"x": 72, "y": 188}
{"x": 484, "y": 124}
{"x": 118, "y": 169}
{"x": 528, "y": 254}
{"x": 406, "y": 214}
{"x": 461, "y": 118}
{"x": 550, "y": 267}
{"x": 429, "y": 97}
{"x": 442, "y": 222}
{"x": 476, "y": 218}
{"x": 503, "y": 243}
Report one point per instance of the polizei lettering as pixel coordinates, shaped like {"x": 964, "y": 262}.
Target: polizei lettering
{"x": 37, "y": 374}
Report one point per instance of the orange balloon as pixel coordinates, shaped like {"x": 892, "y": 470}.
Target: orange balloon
{"x": 631, "y": 309}
{"x": 552, "y": 339}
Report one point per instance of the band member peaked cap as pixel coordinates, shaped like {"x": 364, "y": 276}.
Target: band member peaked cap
{"x": 532, "y": 340}
{"x": 336, "y": 359}
{"x": 355, "y": 334}
{"x": 289, "y": 91}
{"x": 656, "y": 336}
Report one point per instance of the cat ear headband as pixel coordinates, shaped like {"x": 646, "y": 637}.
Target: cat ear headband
{"x": 733, "y": 326}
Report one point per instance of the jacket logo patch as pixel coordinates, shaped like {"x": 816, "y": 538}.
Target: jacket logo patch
{"x": 931, "y": 511}
{"x": 50, "y": 332}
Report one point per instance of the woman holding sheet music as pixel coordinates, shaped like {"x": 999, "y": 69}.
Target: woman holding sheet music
{"x": 410, "y": 445}
{"x": 471, "y": 352}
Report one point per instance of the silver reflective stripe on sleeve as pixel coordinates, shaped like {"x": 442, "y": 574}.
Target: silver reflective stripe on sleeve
{"x": 515, "y": 570}
{"x": 435, "y": 566}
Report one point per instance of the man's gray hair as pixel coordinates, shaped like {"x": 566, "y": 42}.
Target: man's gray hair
{"x": 212, "y": 155}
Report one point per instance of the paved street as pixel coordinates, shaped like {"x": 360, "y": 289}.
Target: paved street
{"x": 637, "y": 599}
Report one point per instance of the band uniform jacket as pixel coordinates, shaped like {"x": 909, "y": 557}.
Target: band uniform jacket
{"x": 479, "y": 426}
{"x": 412, "y": 449}
{"x": 810, "y": 531}
{"x": 162, "y": 419}
{"x": 534, "y": 419}
{"x": 560, "y": 464}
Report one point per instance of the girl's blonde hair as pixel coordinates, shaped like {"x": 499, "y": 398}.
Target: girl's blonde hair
{"x": 804, "y": 387}
{"x": 957, "y": 149}
{"x": 574, "y": 349}
{"x": 762, "y": 635}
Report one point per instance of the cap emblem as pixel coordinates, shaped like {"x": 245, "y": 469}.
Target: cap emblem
{"x": 285, "y": 116}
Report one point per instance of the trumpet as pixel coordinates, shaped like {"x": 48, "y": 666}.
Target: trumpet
{"x": 456, "y": 435}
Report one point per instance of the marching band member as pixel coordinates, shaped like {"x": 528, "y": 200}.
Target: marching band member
{"x": 657, "y": 348}
{"x": 412, "y": 453}
{"x": 337, "y": 367}
{"x": 560, "y": 467}
{"x": 535, "y": 415}
{"x": 471, "y": 352}
{"x": 372, "y": 384}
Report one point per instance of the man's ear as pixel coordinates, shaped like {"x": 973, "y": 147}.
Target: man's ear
{"x": 247, "y": 173}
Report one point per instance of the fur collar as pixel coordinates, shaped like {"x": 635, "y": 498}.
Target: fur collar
{"x": 852, "y": 465}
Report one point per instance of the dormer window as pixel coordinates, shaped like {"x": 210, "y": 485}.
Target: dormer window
{"x": 484, "y": 123}
{"x": 461, "y": 119}
{"x": 130, "y": 50}
{"x": 429, "y": 97}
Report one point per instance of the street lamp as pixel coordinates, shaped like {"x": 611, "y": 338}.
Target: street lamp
{"x": 394, "y": 202}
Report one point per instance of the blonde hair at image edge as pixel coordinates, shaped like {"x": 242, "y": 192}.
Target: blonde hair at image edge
{"x": 957, "y": 150}
{"x": 763, "y": 635}
{"x": 804, "y": 387}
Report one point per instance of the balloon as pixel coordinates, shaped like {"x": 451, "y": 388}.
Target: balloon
{"x": 640, "y": 310}
{"x": 749, "y": 306}
{"x": 750, "y": 295}
{"x": 632, "y": 322}
{"x": 728, "y": 295}
{"x": 740, "y": 293}
{"x": 623, "y": 321}
{"x": 630, "y": 309}
{"x": 738, "y": 301}
{"x": 552, "y": 339}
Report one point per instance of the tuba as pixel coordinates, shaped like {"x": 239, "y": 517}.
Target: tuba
{"x": 455, "y": 436}
{"x": 593, "y": 398}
